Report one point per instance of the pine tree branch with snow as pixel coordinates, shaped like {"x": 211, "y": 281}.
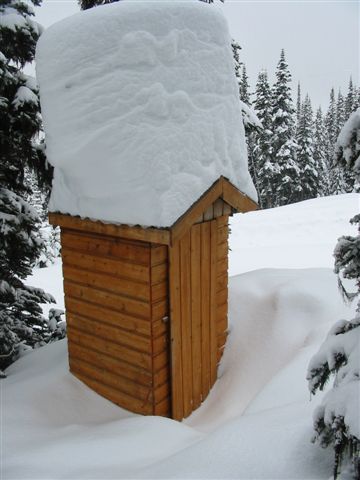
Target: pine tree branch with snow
{"x": 22, "y": 325}
{"x": 337, "y": 419}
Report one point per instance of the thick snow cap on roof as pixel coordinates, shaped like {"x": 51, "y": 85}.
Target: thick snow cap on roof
{"x": 141, "y": 110}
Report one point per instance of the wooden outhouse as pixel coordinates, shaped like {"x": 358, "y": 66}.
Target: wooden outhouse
{"x": 147, "y": 308}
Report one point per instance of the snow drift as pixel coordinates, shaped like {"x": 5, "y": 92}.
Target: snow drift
{"x": 141, "y": 110}
{"x": 56, "y": 427}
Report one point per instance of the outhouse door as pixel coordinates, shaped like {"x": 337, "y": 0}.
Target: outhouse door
{"x": 198, "y": 312}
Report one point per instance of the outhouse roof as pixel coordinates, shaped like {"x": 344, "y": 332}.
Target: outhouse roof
{"x": 141, "y": 110}
{"x": 221, "y": 189}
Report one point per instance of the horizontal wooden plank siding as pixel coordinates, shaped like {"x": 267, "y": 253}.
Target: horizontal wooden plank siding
{"x": 112, "y": 379}
{"x": 113, "y": 349}
{"x": 113, "y": 266}
{"x": 108, "y": 296}
{"x": 106, "y": 315}
{"x": 117, "y": 302}
{"x": 107, "y": 283}
{"x": 128, "y": 250}
{"x": 105, "y": 331}
{"x": 116, "y": 396}
{"x": 112, "y": 364}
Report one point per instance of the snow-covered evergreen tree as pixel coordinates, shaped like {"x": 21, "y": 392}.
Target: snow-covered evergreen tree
{"x": 357, "y": 99}
{"x": 344, "y": 109}
{"x": 38, "y": 198}
{"x": 320, "y": 149}
{"x": 305, "y": 155}
{"x": 347, "y": 149}
{"x": 348, "y": 177}
{"x": 244, "y": 87}
{"x": 250, "y": 120}
{"x": 267, "y": 170}
{"x": 21, "y": 322}
{"x": 335, "y": 171}
{"x": 237, "y": 62}
{"x": 298, "y": 105}
{"x": 286, "y": 182}
{"x": 251, "y": 124}
{"x": 336, "y": 420}
{"x": 331, "y": 123}
{"x": 350, "y": 100}
{"x": 340, "y": 112}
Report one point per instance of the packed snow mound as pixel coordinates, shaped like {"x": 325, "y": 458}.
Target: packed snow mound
{"x": 300, "y": 235}
{"x": 277, "y": 320}
{"x": 141, "y": 110}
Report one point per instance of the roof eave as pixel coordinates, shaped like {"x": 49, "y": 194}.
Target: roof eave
{"x": 221, "y": 188}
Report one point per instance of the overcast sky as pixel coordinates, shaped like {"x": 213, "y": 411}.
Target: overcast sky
{"x": 320, "y": 38}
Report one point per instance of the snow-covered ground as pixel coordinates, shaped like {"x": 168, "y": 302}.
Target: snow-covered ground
{"x": 256, "y": 422}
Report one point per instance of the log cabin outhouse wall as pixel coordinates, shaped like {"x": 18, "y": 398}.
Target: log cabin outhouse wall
{"x": 116, "y": 309}
{"x": 147, "y": 308}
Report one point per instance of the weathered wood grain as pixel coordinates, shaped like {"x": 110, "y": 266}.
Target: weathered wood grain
{"x": 112, "y": 349}
{"x": 105, "y": 315}
{"x": 118, "y": 303}
{"x": 137, "y": 252}
{"x": 124, "y": 369}
{"x": 107, "y": 282}
{"x": 120, "y": 398}
{"x": 112, "y": 266}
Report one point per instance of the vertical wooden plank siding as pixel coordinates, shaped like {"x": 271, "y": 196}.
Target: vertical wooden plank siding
{"x": 205, "y": 260}
{"x": 177, "y": 396}
{"x": 196, "y": 314}
{"x": 222, "y": 283}
{"x": 198, "y": 277}
{"x": 213, "y": 301}
{"x": 186, "y": 321}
